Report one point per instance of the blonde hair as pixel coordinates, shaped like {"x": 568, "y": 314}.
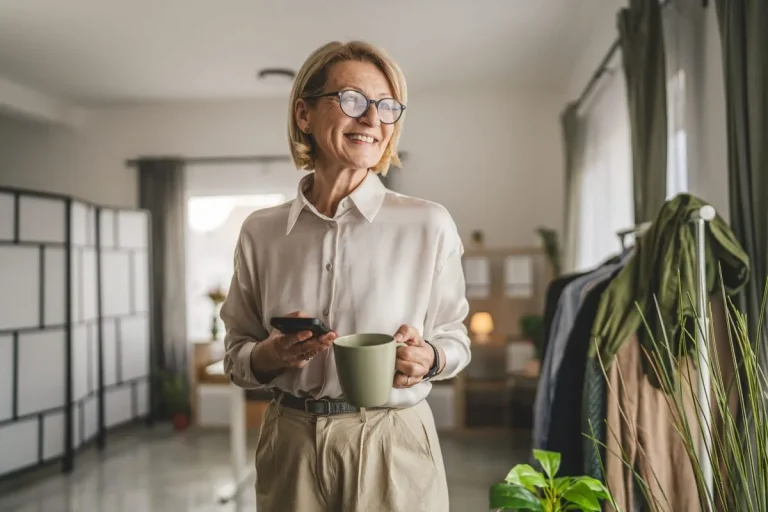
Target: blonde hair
{"x": 312, "y": 78}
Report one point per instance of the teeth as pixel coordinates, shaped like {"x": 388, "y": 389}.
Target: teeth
{"x": 363, "y": 138}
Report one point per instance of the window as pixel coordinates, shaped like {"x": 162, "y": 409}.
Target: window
{"x": 213, "y": 227}
{"x": 677, "y": 145}
{"x": 680, "y": 22}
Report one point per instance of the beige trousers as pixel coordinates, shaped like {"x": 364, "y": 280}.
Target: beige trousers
{"x": 373, "y": 461}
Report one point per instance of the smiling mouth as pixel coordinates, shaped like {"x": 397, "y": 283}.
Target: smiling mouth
{"x": 360, "y": 138}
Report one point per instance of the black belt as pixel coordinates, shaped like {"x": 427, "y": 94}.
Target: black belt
{"x": 320, "y": 406}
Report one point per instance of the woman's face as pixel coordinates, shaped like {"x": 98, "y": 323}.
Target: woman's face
{"x": 337, "y": 136}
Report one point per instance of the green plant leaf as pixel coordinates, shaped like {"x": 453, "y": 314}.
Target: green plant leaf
{"x": 550, "y": 461}
{"x": 581, "y": 495}
{"x": 596, "y": 486}
{"x": 525, "y": 476}
{"x": 514, "y": 497}
{"x": 563, "y": 483}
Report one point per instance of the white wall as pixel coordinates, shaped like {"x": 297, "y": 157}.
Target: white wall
{"x": 492, "y": 157}
{"x": 710, "y": 180}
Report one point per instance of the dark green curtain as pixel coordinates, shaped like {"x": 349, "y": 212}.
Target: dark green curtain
{"x": 641, "y": 39}
{"x": 744, "y": 36}
{"x": 162, "y": 192}
{"x": 744, "y": 39}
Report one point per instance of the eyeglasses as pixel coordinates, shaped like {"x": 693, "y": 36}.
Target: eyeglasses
{"x": 355, "y": 105}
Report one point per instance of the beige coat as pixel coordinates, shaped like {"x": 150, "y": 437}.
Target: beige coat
{"x": 641, "y": 424}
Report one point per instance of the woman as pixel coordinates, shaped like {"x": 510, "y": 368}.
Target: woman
{"x": 362, "y": 259}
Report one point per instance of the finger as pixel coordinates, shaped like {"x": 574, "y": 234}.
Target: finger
{"x": 406, "y": 333}
{"x": 313, "y": 345}
{"x": 413, "y": 353}
{"x": 404, "y": 381}
{"x": 298, "y": 314}
{"x": 410, "y": 368}
{"x": 309, "y": 349}
{"x": 289, "y": 340}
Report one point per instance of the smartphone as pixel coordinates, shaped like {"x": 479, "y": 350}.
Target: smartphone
{"x": 292, "y": 325}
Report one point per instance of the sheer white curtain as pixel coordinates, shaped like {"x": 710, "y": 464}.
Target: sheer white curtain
{"x": 682, "y": 21}
{"x": 604, "y": 179}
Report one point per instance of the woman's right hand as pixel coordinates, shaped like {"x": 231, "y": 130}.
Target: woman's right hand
{"x": 283, "y": 351}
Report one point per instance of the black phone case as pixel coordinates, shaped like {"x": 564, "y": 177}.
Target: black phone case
{"x": 291, "y": 325}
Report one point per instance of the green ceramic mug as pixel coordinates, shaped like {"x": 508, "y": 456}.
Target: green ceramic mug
{"x": 366, "y": 367}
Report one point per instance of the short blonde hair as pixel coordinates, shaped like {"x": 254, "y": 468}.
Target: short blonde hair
{"x": 311, "y": 79}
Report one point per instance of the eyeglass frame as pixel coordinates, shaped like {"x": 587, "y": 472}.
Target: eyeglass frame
{"x": 367, "y": 107}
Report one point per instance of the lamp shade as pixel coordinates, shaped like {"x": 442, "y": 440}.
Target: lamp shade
{"x": 481, "y": 325}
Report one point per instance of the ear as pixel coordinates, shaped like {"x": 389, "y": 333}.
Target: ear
{"x": 302, "y": 115}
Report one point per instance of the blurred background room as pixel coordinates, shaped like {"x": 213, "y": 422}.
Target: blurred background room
{"x": 136, "y": 137}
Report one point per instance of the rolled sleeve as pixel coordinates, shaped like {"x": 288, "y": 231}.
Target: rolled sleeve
{"x": 241, "y": 314}
{"x": 447, "y": 310}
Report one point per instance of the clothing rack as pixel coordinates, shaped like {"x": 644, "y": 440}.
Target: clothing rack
{"x": 699, "y": 218}
{"x": 623, "y": 234}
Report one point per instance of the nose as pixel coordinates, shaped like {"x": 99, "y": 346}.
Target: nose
{"x": 371, "y": 116}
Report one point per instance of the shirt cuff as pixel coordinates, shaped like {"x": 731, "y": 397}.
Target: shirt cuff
{"x": 455, "y": 358}
{"x": 241, "y": 372}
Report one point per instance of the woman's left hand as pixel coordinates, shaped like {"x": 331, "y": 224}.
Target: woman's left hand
{"x": 413, "y": 361}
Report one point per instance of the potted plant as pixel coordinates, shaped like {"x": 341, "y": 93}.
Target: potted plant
{"x": 217, "y": 296}
{"x": 532, "y": 329}
{"x": 525, "y": 489}
{"x": 551, "y": 248}
{"x": 174, "y": 394}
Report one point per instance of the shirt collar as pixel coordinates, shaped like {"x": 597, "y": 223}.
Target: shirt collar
{"x": 367, "y": 198}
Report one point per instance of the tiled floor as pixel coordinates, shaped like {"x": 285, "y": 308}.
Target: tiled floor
{"x": 157, "y": 470}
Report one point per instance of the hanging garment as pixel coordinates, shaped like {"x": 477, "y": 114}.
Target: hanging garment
{"x": 569, "y": 304}
{"x": 663, "y": 271}
{"x": 554, "y": 290}
{"x": 641, "y": 423}
{"x": 565, "y": 432}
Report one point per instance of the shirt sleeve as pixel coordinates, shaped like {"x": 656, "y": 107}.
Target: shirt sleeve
{"x": 448, "y": 308}
{"x": 242, "y": 317}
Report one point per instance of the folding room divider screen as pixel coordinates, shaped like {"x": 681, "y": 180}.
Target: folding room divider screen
{"x": 74, "y": 325}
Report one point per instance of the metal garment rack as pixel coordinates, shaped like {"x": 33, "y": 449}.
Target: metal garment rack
{"x": 699, "y": 218}
{"x": 623, "y": 234}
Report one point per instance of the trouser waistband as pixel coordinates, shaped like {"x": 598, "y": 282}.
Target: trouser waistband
{"x": 319, "y": 406}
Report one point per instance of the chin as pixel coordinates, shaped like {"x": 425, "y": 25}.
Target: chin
{"x": 361, "y": 163}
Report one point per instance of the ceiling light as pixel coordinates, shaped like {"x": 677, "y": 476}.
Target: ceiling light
{"x": 276, "y": 76}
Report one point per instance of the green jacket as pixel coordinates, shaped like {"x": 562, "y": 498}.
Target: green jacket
{"x": 664, "y": 268}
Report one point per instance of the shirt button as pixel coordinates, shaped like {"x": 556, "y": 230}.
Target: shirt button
{"x": 325, "y": 312}
{"x": 332, "y": 224}
{"x": 329, "y": 267}
{"x": 344, "y": 203}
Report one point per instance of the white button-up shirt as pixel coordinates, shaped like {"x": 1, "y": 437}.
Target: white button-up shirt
{"x": 383, "y": 260}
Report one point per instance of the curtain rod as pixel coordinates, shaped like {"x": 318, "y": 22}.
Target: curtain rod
{"x": 246, "y": 159}
{"x": 608, "y": 56}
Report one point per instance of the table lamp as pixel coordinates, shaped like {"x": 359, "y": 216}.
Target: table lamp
{"x": 481, "y": 326}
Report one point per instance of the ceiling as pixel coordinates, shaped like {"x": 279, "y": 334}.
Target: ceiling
{"x": 95, "y": 51}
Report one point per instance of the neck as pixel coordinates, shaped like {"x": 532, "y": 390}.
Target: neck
{"x": 330, "y": 186}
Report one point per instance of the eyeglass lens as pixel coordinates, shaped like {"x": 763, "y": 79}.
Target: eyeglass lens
{"x": 354, "y": 104}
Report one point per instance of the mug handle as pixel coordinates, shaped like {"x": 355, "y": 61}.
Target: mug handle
{"x": 401, "y": 344}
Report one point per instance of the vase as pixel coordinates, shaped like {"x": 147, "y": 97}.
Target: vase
{"x": 215, "y": 328}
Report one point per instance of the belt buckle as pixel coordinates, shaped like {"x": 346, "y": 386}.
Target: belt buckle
{"x": 324, "y": 400}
